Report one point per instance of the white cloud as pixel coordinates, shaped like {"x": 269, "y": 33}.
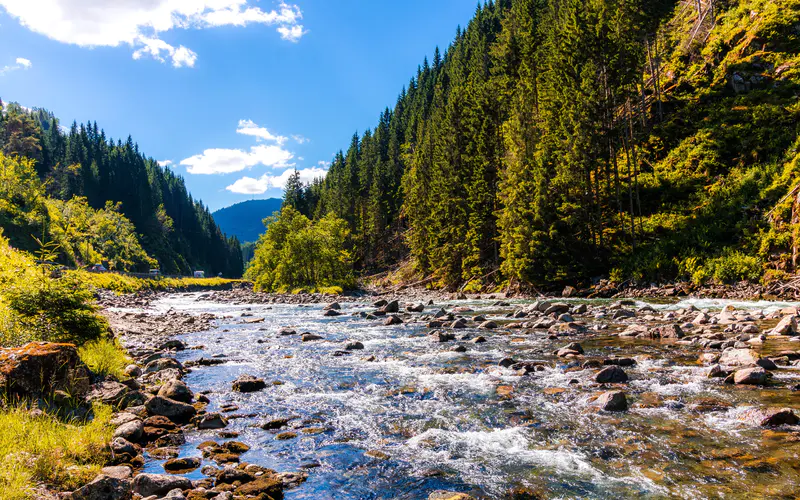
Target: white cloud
{"x": 249, "y": 185}
{"x": 299, "y": 139}
{"x": 165, "y": 163}
{"x": 248, "y": 127}
{"x": 226, "y": 161}
{"x": 324, "y": 164}
{"x": 20, "y": 63}
{"x": 181, "y": 57}
{"x": 138, "y": 23}
{"x": 292, "y": 33}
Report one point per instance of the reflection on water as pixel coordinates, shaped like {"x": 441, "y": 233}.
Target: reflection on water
{"x": 432, "y": 418}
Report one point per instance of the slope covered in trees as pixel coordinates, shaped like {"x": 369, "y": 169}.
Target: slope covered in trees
{"x": 559, "y": 141}
{"x": 110, "y": 177}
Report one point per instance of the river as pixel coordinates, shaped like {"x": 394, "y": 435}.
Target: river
{"x": 407, "y": 415}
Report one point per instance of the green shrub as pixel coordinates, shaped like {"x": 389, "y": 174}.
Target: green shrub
{"x": 296, "y": 252}
{"x": 731, "y": 267}
{"x": 36, "y": 306}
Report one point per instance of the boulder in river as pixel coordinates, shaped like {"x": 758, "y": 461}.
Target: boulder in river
{"x": 665, "y": 332}
{"x": 393, "y": 319}
{"x": 448, "y": 495}
{"x": 181, "y": 465}
{"x": 332, "y": 313}
{"x": 160, "y": 364}
{"x": 159, "y": 484}
{"x": 611, "y": 375}
{"x": 211, "y": 421}
{"x": 310, "y": 337}
{"x": 40, "y": 368}
{"x": 786, "y": 326}
{"x": 750, "y": 376}
{"x": 488, "y": 325}
{"x": 176, "y": 390}
{"x": 739, "y": 357}
{"x": 612, "y": 401}
{"x": 173, "y": 410}
{"x": 460, "y": 323}
{"x": 248, "y": 383}
{"x": 391, "y": 307}
{"x": 771, "y": 417}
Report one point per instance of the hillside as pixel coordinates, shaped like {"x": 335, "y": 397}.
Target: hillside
{"x": 108, "y": 180}
{"x": 566, "y": 141}
{"x": 245, "y": 220}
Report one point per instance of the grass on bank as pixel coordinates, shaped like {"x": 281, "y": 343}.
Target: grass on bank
{"x": 104, "y": 357}
{"x": 42, "y": 449}
{"x": 122, "y": 284}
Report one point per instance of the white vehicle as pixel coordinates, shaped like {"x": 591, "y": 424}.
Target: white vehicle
{"x": 199, "y": 274}
{"x": 155, "y": 272}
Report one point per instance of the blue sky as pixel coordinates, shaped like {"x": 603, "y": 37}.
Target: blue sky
{"x": 234, "y": 93}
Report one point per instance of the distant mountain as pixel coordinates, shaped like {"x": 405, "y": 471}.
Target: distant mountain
{"x": 245, "y": 220}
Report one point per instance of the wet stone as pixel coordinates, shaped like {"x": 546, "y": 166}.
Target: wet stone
{"x": 248, "y": 383}
{"x": 611, "y": 375}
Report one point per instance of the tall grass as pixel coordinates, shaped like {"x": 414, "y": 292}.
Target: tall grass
{"x": 104, "y": 357}
{"x": 41, "y": 449}
{"x": 123, "y": 284}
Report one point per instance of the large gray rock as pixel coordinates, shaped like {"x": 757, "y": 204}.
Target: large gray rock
{"x": 739, "y": 357}
{"x": 750, "y": 376}
{"x": 130, "y": 431}
{"x": 173, "y": 410}
{"x": 105, "y": 487}
{"x": 611, "y": 375}
{"x": 41, "y": 368}
{"x": 666, "y": 332}
{"x": 786, "y": 326}
{"x": 212, "y": 421}
{"x": 248, "y": 383}
{"x": 163, "y": 364}
{"x": 612, "y": 401}
{"x": 176, "y": 390}
{"x": 114, "y": 394}
{"x": 159, "y": 484}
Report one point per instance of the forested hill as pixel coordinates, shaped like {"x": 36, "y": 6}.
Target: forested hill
{"x": 564, "y": 140}
{"x": 245, "y": 220}
{"x": 173, "y": 228}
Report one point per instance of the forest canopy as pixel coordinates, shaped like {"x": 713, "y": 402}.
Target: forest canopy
{"x": 565, "y": 141}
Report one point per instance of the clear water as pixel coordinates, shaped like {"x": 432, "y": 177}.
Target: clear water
{"x": 458, "y": 421}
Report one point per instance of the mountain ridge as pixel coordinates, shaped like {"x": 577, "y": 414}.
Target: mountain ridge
{"x": 245, "y": 219}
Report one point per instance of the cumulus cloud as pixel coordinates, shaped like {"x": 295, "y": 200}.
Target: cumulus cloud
{"x": 324, "y": 164}
{"x": 138, "y": 23}
{"x": 165, "y": 163}
{"x": 249, "y": 185}
{"x": 248, "y": 127}
{"x": 227, "y": 161}
{"x": 299, "y": 139}
{"x": 20, "y": 63}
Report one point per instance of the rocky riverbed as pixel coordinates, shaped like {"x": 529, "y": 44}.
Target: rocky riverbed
{"x": 430, "y": 397}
